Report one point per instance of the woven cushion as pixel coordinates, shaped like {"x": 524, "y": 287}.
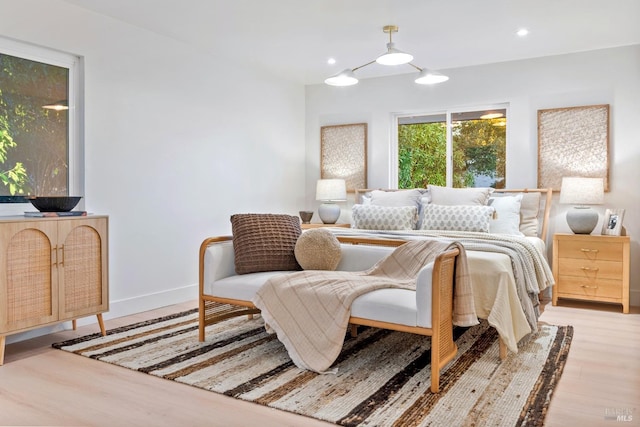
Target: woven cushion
{"x": 265, "y": 242}
{"x": 372, "y": 217}
{"x": 457, "y": 218}
{"x": 318, "y": 249}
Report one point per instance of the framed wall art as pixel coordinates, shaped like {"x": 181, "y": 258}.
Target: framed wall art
{"x": 343, "y": 154}
{"x": 573, "y": 141}
{"x": 612, "y": 224}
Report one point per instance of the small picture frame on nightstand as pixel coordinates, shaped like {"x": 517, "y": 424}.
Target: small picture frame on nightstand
{"x": 612, "y": 225}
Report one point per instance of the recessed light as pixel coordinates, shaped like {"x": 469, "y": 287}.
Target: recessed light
{"x": 522, "y": 32}
{"x": 331, "y": 61}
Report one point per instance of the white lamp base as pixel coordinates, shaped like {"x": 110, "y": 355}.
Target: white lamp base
{"x": 329, "y": 213}
{"x": 582, "y": 219}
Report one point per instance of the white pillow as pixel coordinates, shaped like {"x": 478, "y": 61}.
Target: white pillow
{"x": 372, "y": 217}
{"x": 459, "y": 196}
{"x": 412, "y": 197}
{"x": 507, "y": 220}
{"x": 396, "y": 198}
{"x": 457, "y": 218}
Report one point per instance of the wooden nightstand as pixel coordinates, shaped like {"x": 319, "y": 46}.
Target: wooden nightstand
{"x": 319, "y": 225}
{"x": 592, "y": 268}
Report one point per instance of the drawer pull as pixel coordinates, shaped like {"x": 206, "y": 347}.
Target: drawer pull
{"x": 589, "y": 250}
{"x": 589, "y": 269}
{"x": 588, "y": 287}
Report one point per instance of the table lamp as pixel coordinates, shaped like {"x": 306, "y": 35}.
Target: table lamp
{"x": 582, "y": 192}
{"x": 329, "y": 191}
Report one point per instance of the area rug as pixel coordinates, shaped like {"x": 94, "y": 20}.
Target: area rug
{"x": 383, "y": 377}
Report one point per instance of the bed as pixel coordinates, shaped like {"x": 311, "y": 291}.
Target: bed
{"x": 503, "y": 231}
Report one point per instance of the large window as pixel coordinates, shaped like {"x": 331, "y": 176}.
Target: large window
{"x": 39, "y": 116}
{"x": 455, "y": 148}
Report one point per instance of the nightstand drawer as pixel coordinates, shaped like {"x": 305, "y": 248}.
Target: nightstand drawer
{"x": 590, "y": 269}
{"x": 591, "y": 250}
{"x": 571, "y": 286}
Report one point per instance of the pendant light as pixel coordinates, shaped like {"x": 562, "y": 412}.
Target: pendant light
{"x": 392, "y": 56}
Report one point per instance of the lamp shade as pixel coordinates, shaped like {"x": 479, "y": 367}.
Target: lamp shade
{"x": 582, "y": 191}
{"x": 343, "y": 78}
{"x": 429, "y": 77}
{"x": 331, "y": 190}
{"x": 394, "y": 56}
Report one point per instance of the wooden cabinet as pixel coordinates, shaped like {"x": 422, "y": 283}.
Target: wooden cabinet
{"x": 53, "y": 270}
{"x": 593, "y": 268}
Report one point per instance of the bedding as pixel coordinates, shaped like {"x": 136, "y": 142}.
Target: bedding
{"x": 508, "y": 273}
{"x": 507, "y": 261}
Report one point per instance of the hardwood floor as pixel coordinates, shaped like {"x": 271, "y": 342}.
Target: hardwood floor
{"x": 43, "y": 386}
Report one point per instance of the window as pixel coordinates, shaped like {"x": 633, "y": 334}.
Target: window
{"x": 40, "y": 151}
{"x": 456, "y": 149}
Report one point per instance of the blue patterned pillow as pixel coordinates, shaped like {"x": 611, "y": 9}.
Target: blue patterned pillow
{"x": 373, "y": 217}
{"x": 457, "y": 217}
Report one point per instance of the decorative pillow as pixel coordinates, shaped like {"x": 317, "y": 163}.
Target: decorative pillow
{"x": 457, "y": 218}
{"x": 414, "y": 197}
{"x": 265, "y": 242}
{"x": 529, "y": 212}
{"x": 459, "y": 196}
{"x": 318, "y": 249}
{"x": 372, "y": 217}
{"x": 507, "y": 220}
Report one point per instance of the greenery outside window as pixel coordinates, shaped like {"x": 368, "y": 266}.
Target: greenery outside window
{"x": 40, "y": 148}
{"x": 454, "y": 148}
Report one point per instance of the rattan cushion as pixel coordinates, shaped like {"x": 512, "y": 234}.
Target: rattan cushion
{"x": 318, "y": 249}
{"x": 265, "y": 242}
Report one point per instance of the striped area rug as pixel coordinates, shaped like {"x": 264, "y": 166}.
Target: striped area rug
{"x": 383, "y": 377}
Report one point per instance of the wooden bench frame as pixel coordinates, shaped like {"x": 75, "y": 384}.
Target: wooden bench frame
{"x": 214, "y": 309}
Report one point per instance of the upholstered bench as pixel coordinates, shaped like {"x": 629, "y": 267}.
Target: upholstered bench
{"x": 223, "y": 293}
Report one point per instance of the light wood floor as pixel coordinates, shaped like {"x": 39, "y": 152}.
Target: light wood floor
{"x": 43, "y": 386}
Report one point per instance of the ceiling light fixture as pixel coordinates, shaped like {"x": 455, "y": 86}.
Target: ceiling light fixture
{"x": 57, "y": 106}
{"x": 392, "y": 56}
{"x": 491, "y": 115}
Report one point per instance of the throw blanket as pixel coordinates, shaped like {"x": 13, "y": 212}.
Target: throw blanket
{"x": 310, "y": 310}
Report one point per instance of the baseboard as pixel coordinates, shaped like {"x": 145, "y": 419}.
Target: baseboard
{"x": 119, "y": 308}
{"x": 634, "y": 298}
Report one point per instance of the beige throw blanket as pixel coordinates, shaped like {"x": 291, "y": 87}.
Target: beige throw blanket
{"x": 310, "y": 310}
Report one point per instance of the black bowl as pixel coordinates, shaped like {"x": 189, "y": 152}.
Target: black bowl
{"x": 55, "y": 203}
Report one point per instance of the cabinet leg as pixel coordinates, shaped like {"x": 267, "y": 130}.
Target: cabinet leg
{"x": 2, "y": 342}
{"x": 103, "y": 331}
{"x": 74, "y": 324}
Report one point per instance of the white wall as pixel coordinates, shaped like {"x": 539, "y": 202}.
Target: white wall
{"x": 176, "y": 142}
{"x": 610, "y": 76}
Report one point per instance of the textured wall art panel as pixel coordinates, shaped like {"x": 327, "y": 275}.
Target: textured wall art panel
{"x": 573, "y": 141}
{"x": 343, "y": 154}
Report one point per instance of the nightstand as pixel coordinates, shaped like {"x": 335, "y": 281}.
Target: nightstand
{"x": 320, "y": 225}
{"x": 591, "y": 268}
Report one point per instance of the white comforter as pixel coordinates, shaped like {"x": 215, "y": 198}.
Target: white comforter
{"x": 508, "y": 273}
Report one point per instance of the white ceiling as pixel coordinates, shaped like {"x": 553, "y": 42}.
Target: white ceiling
{"x": 296, "y": 37}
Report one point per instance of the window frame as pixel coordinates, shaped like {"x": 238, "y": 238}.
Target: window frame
{"x": 75, "y": 113}
{"x": 448, "y": 113}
